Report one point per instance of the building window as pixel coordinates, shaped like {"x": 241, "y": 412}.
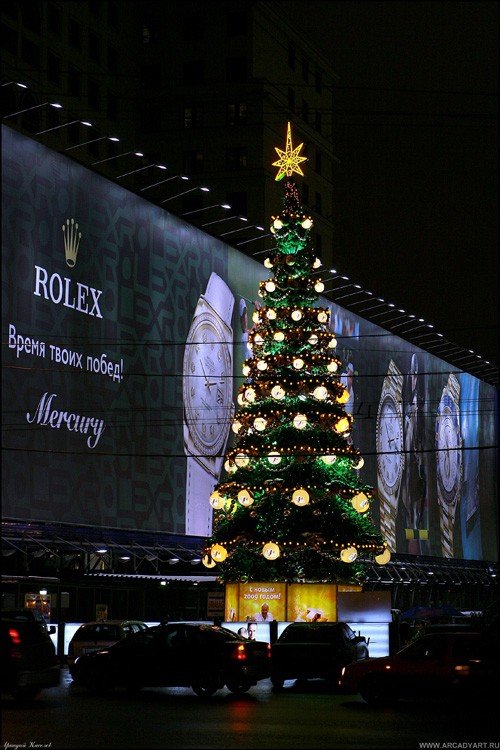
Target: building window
{"x": 151, "y": 76}
{"x": 94, "y": 94}
{"x": 75, "y": 33}
{"x": 53, "y": 68}
{"x": 318, "y": 122}
{"x": 74, "y": 81}
{"x": 94, "y": 47}
{"x": 305, "y": 69}
{"x": 236, "y": 158}
{"x": 9, "y": 39}
{"x": 30, "y": 52}
{"x": 319, "y": 163}
{"x": 31, "y": 16}
{"x": 318, "y": 206}
{"x": 192, "y": 72}
{"x": 112, "y": 106}
{"x": 291, "y": 100}
{"x": 305, "y": 111}
{"x": 318, "y": 80}
{"x": 236, "y": 113}
{"x": 318, "y": 245}
{"x": 112, "y": 59}
{"x": 291, "y": 56}
{"x": 54, "y": 19}
{"x": 151, "y": 119}
{"x": 192, "y": 162}
{"x": 238, "y": 203}
{"x": 192, "y": 117}
{"x": 236, "y": 23}
{"x": 113, "y": 14}
{"x": 236, "y": 69}
{"x": 305, "y": 193}
{"x": 193, "y": 29}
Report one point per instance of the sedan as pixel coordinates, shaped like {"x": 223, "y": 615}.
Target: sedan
{"x": 447, "y": 663}
{"x": 203, "y": 657}
{"x": 308, "y": 650}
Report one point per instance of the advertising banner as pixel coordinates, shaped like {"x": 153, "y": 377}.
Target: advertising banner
{"x": 124, "y": 331}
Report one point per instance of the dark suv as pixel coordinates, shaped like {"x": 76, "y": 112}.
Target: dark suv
{"x": 28, "y": 658}
{"x": 307, "y": 650}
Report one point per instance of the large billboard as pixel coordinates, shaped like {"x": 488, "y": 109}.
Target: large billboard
{"x": 124, "y": 330}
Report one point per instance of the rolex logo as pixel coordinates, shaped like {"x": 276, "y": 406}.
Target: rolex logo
{"x": 72, "y": 239}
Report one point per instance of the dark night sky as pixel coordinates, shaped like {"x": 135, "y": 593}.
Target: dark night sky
{"x": 415, "y": 131}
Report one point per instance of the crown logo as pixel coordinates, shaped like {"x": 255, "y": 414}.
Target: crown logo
{"x": 72, "y": 239}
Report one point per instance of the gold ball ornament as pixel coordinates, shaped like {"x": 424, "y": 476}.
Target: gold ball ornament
{"x": 348, "y": 554}
{"x": 271, "y": 551}
{"x": 218, "y": 552}
{"x": 384, "y": 557}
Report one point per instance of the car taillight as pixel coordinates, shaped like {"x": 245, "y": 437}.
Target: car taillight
{"x": 14, "y": 636}
{"x": 240, "y": 652}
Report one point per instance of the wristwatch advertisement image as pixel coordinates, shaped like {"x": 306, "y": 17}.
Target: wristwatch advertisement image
{"x": 448, "y": 461}
{"x": 390, "y": 454}
{"x": 208, "y": 400}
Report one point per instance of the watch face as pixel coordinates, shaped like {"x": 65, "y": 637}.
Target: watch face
{"x": 449, "y": 455}
{"x": 207, "y": 386}
{"x": 389, "y": 443}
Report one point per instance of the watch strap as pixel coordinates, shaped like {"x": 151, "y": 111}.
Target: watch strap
{"x": 447, "y": 519}
{"x": 388, "y": 523}
{"x": 220, "y": 297}
{"x": 199, "y": 485}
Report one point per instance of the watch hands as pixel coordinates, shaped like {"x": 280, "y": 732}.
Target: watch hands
{"x": 389, "y": 439}
{"x": 207, "y": 382}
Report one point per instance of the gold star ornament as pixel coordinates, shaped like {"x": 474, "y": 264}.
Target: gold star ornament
{"x": 289, "y": 159}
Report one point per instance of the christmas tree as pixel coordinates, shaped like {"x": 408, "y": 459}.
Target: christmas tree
{"x": 292, "y": 506}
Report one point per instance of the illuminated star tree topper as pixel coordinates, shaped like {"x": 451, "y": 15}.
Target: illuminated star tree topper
{"x": 289, "y": 159}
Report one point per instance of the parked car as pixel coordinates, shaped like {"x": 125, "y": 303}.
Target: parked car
{"x": 203, "y": 657}
{"x": 92, "y": 636}
{"x": 28, "y": 658}
{"x": 441, "y": 663}
{"x": 307, "y": 650}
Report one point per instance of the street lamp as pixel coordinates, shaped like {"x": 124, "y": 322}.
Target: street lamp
{"x": 116, "y": 156}
{"x": 172, "y": 197}
{"x": 94, "y": 140}
{"x": 167, "y": 179}
{"x": 36, "y": 106}
{"x": 140, "y": 169}
{"x": 65, "y": 125}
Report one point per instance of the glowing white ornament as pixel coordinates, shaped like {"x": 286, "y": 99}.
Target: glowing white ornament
{"x": 217, "y": 501}
{"x": 241, "y": 460}
{"x": 260, "y": 424}
{"x": 245, "y": 498}
{"x": 313, "y": 339}
{"x": 300, "y": 497}
{"x": 270, "y": 286}
{"x": 307, "y": 223}
{"x": 296, "y": 315}
{"x": 332, "y": 366}
{"x": 208, "y": 562}
{"x": 277, "y": 224}
{"x": 236, "y": 427}
{"x": 328, "y": 459}
{"x": 257, "y": 339}
{"x": 298, "y": 363}
{"x": 256, "y": 316}
{"x": 250, "y": 395}
{"x": 359, "y": 464}
{"x": 300, "y": 421}
{"x": 246, "y": 370}
{"x": 322, "y": 316}
{"x": 278, "y": 392}
{"x": 319, "y": 286}
{"x": 262, "y": 365}
{"x": 268, "y": 263}
{"x": 279, "y": 336}
{"x": 332, "y": 343}
{"x": 320, "y": 393}
{"x": 271, "y": 314}
{"x": 317, "y": 263}
{"x": 274, "y": 458}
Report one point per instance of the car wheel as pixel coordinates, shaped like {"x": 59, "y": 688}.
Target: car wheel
{"x": 277, "y": 682}
{"x": 206, "y": 685}
{"x": 97, "y": 682}
{"x": 238, "y": 686}
{"x": 376, "y": 691}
